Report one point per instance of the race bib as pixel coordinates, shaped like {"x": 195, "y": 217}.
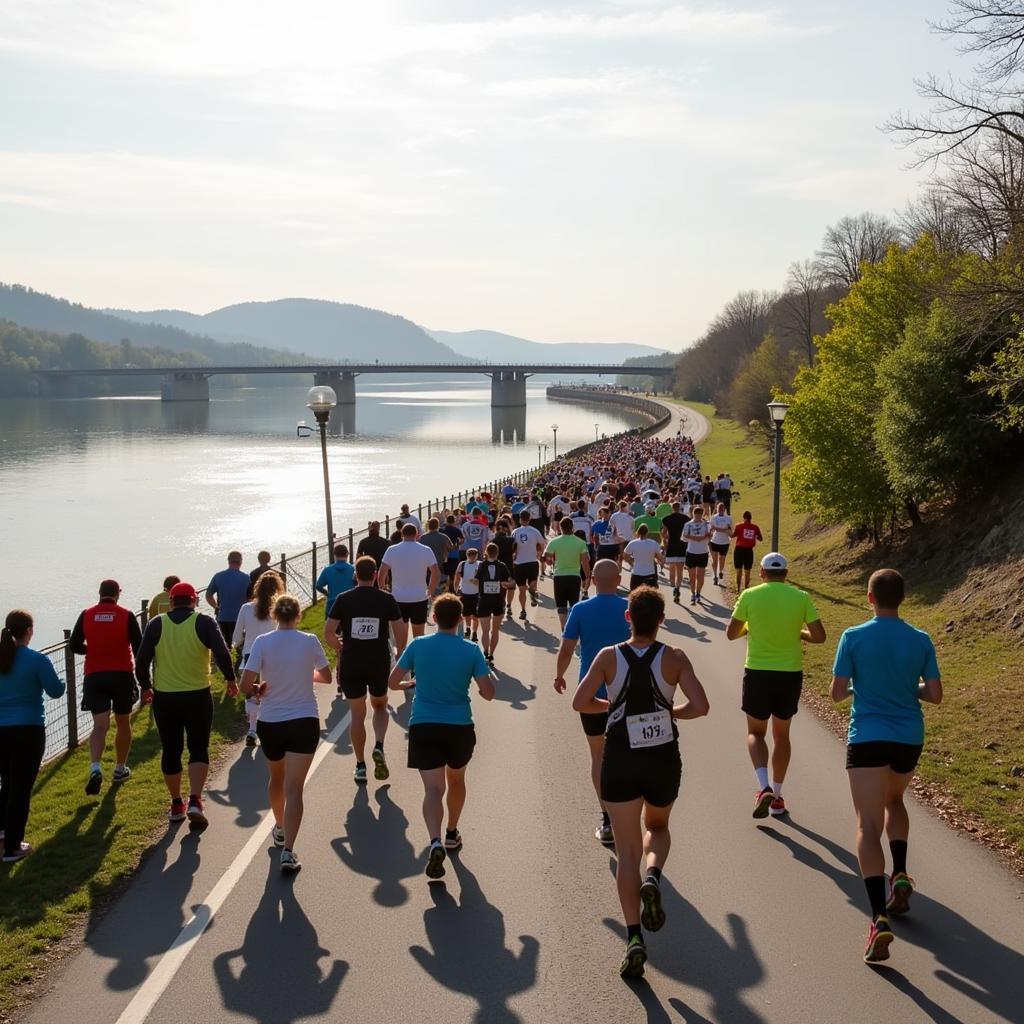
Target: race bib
{"x": 365, "y": 629}
{"x": 650, "y": 730}
{"x": 492, "y": 587}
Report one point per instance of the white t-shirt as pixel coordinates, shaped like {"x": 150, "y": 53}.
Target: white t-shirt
{"x": 409, "y": 562}
{"x": 476, "y": 535}
{"x": 468, "y": 584}
{"x": 558, "y": 504}
{"x": 250, "y": 627}
{"x": 721, "y": 529}
{"x": 286, "y": 659}
{"x": 724, "y": 483}
{"x": 582, "y": 522}
{"x": 622, "y": 525}
{"x": 696, "y": 535}
{"x": 527, "y": 538}
{"x": 643, "y": 553}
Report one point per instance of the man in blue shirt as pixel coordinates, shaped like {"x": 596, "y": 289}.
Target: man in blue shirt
{"x": 336, "y": 578}
{"x": 596, "y": 623}
{"x": 227, "y": 592}
{"x": 888, "y": 667}
{"x": 441, "y": 734}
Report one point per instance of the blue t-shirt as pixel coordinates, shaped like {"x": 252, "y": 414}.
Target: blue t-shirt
{"x": 517, "y": 507}
{"x": 601, "y": 531}
{"x": 886, "y": 658}
{"x": 596, "y": 623}
{"x": 21, "y": 689}
{"x": 336, "y": 578}
{"x": 445, "y": 666}
{"x": 231, "y": 588}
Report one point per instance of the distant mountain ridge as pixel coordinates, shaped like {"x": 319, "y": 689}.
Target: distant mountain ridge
{"x": 494, "y": 344}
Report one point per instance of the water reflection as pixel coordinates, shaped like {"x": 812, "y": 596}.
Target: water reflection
{"x": 508, "y": 425}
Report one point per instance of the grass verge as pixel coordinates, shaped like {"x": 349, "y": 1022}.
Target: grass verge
{"x": 972, "y": 768}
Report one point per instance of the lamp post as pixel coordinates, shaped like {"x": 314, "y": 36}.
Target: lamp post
{"x": 320, "y": 401}
{"x": 778, "y": 411}
{"x": 597, "y": 426}
{"x": 540, "y": 444}
{"x": 554, "y": 430}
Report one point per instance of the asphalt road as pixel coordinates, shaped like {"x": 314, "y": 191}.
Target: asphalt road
{"x": 766, "y": 921}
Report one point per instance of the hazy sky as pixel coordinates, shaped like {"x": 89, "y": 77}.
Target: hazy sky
{"x": 610, "y": 170}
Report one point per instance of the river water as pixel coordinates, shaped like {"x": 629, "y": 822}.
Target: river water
{"x": 136, "y": 489}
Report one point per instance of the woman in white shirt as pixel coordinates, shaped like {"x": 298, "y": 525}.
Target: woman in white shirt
{"x": 254, "y": 620}
{"x": 696, "y": 533}
{"x": 644, "y": 556}
{"x": 283, "y": 666}
{"x": 721, "y": 534}
{"x": 468, "y": 589}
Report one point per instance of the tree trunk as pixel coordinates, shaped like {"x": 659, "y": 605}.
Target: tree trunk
{"x": 912, "y": 511}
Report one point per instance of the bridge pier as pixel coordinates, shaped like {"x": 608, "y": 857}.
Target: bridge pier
{"x": 508, "y": 424}
{"x": 342, "y": 381}
{"x": 508, "y": 388}
{"x": 185, "y": 387}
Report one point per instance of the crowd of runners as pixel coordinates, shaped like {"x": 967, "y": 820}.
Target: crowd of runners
{"x": 617, "y": 530}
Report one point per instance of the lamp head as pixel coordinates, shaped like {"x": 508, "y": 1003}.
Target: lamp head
{"x": 778, "y": 411}
{"x": 320, "y": 401}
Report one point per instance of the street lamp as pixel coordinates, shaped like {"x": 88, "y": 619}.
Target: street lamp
{"x": 320, "y": 401}
{"x": 778, "y": 411}
{"x": 540, "y": 444}
{"x": 554, "y": 430}
{"x": 597, "y": 426}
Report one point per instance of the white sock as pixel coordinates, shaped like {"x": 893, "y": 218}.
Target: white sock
{"x": 777, "y": 789}
{"x": 762, "y": 778}
{"x": 95, "y": 767}
{"x": 252, "y": 709}
{"x": 120, "y": 766}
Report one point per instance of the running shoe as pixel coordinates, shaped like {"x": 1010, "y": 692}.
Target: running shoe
{"x": 778, "y": 807}
{"x": 603, "y": 834}
{"x": 714, "y": 579}
{"x": 474, "y": 637}
{"x": 92, "y": 785}
{"x": 195, "y": 812}
{"x": 652, "y": 917}
{"x": 489, "y": 658}
{"x": 380, "y": 766}
{"x": 632, "y": 965}
{"x": 278, "y": 835}
{"x": 697, "y": 596}
{"x": 466, "y": 634}
{"x": 693, "y": 599}
{"x": 880, "y": 938}
{"x": 24, "y": 849}
{"x": 177, "y": 811}
{"x": 508, "y": 612}
{"x": 763, "y": 802}
{"x": 435, "y": 861}
{"x": 122, "y": 774}
{"x": 452, "y": 839}
{"x": 522, "y": 614}
{"x": 901, "y": 887}
{"x": 250, "y": 737}
{"x": 533, "y": 599}
{"x": 289, "y": 863}
{"x": 360, "y": 774}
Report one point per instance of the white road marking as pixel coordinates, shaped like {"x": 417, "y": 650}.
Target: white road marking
{"x": 170, "y": 963}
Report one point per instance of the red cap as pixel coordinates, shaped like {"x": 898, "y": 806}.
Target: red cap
{"x": 182, "y": 590}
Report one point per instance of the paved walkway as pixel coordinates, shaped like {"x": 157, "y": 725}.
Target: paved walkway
{"x": 765, "y": 920}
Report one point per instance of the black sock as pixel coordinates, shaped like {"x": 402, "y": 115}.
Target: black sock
{"x": 633, "y": 931}
{"x": 360, "y": 764}
{"x": 451, "y": 833}
{"x": 899, "y": 855}
{"x": 379, "y": 745}
{"x": 436, "y": 839}
{"x": 605, "y": 820}
{"x": 875, "y": 886}
{"x": 654, "y": 873}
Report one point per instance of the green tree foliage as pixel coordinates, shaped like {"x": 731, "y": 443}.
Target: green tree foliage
{"x": 767, "y": 370}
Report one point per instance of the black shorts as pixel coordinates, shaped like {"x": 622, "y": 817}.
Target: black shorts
{"x": 360, "y": 675}
{"x": 106, "y": 691}
{"x": 900, "y": 757}
{"x": 768, "y": 693}
{"x": 608, "y": 551}
{"x": 469, "y": 604}
{"x": 438, "y": 745}
{"x": 642, "y": 581}
{"x": 526, "y": 572}
{"x": 719, "y": 549}
{"x": 696, "y": 561}
{"x": 743, "y": 558}
{"x": 594, "y": 725}
{"x": 295, "y": 736}
{"x": 414, "y": 611}
{"x": 652, "y": 774}
{"x": 491, "y": 605}
{"x": 675, "y": 549}
{"x": 567, "y": 592}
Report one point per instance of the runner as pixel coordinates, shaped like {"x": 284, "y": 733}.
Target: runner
{"x": 495, "y": 581}
{"x": 641, "y": 767}
{"x": 262, "y": 566}
{"x": 227, "y": 592}
{"x": 721, "y": 533}
{"x": 408, "y": 517}
{"x": 336, "y": 578}
{"x": 747, "y": 534}
{"x": 570, "y": 558}
{"x": 529, "y": 547}
{"x": 411, "y": 569}
{"x": 179, "y": 645}
{"x": 724, "y": 490}
{"x": 696, "y": 534}
{"x": 254, "y": 620}
{"x": 598, "y": 622}
{"x": 507, "y": 555}
{"x": 889, "y": 668}
{"x": 161, "y": 602}
{"x": 358, "y": 626}
{"x": 622, "y": 526}
{"x": 109, "y": 637}
{"x": 373, "y": 544}
{"x": 675, "y": 547}
{"x": 708, "y": 492}
{"x": 282, "y": 669}
{"x": 441, "y": 734}
{"x": 455, "y": 538}
{"x": 775, "y": 617}
{"x": 468, "y": 590}
{"x": 440, "y": 544}
{"x": 644, "y": 556}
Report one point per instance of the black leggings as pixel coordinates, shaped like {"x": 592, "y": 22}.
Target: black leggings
{"x": 183, "y": 716}
{"x": 21, "y": 753}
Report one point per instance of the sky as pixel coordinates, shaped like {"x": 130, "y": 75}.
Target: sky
{"x": 613, "y": 170}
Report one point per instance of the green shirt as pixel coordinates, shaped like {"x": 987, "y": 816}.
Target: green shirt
{"x": 568, "y": 551}
{"x": 775, "y": 613}
{"x": 653, "y": 524}
{"x": 664, "y": 509}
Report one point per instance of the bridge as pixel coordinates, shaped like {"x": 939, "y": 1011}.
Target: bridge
{"x": 508, "y": 380}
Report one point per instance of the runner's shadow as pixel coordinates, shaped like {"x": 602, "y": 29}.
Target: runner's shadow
{"x": 534, "y": 636}
{"x": 512, "y": 691}
{"x": 469, "y": 954}
{"x": 246, "y": 788}
{"x": 899, "y": 981}
{"x": 685, "y": 630}
{"x": 401, "y": 713}
{"x": 275, "y": 977}
{"x": 339, "y": 708}
{"x": 711, "y": 621}
{"x": 377, "y": 847}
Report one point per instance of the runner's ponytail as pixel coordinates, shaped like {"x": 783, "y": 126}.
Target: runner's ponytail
{"x": 17, "y": 624}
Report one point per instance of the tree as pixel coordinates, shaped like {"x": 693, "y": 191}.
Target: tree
{"x": 852, "y": 242}
{"x": 800, "y": 305}
{"x": 935, "y": 213}
{"x": 767, "y": 370}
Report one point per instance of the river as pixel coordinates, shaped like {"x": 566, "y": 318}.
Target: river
{"x": 136, "y": 488}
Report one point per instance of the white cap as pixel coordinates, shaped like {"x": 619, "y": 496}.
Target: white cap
{"x": 773, "y": 560}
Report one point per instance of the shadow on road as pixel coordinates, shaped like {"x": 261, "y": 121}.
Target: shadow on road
{"x": 979, "y": 967}
{"x": 245, "y": 789}
{"x": 468, "y": 953}
{"x": 686, "y": 631}
{"x": 276, "y": 977}
{"x": 339, "y": 708}
{"x": 512, "y": 691}
{"x": 378, "y": 847}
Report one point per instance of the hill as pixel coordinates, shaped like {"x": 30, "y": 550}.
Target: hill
{"x": 491, "y": 344}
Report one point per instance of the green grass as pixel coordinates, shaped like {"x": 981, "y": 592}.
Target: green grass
{"x": 974, "y": 741}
